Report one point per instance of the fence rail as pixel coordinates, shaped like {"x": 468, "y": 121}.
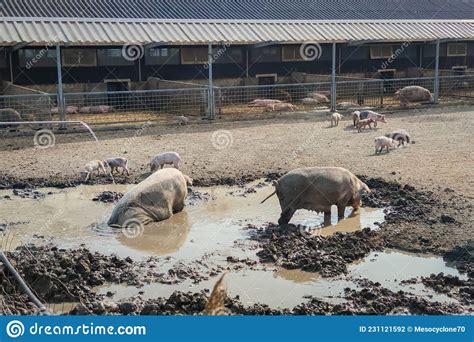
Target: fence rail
{"x": 163, "y": 105}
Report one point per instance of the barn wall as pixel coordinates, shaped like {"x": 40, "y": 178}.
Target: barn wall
{"x": 351, "y": 60}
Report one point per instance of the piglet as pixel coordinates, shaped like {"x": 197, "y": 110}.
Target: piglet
{"x": 355, "y": 118}
{"x": 383, "y": 142}
{"x": 115, "y": 163}
{"x": 335, "y": 118}
{"x": 94, "y": 165}
{"x": 363, "y": 123}
{"x": 162, "y": 159}
{"x": 183, "y": 120}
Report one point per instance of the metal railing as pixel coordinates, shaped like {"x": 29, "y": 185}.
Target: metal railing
{"x": 163, "y": 105}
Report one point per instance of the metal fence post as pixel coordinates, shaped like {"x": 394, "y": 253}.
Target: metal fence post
{"x": 333, "y": 78}
{"x": 211, "y": 104}
{"x": 436, "y": 79}
{"x": 61, "y": 104}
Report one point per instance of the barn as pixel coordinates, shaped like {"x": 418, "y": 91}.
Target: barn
{"x": 108, "y": 48}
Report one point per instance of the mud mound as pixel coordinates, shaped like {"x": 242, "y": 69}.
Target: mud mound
{"x": 29, "y": 193}
{"x": 377, "y": 300}
{"x": 57, "y": 275}
{"x": 462, "y": 290}
{"x": 289, "y": 247}
{"x": 195, "y": 197}
{"x": 462, "y": 257}
{"x": 108, "y": 197}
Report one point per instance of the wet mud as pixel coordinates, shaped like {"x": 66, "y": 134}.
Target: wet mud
{"x": 59, "y": 275}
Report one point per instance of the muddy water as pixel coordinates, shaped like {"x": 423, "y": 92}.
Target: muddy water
{"x": 287, "y": 288}
{"x": 70, "y": 218}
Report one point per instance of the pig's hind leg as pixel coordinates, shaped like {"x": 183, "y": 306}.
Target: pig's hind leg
{"x": 286, "y": 216}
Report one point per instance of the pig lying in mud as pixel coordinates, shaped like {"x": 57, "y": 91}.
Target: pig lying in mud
{"x": 160, "y": 160}
{"x": 317, "y": 189}
{"x": 154, "y": 199}
{"x": 413, "y": 94}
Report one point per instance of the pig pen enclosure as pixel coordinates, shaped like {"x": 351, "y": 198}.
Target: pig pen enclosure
{"x": 408, "y": 250}
{"x": 161, "y": 106}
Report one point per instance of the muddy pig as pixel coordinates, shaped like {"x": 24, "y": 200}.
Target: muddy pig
{"x": 317, "y": 189}
{"x": 154, "y": 199}
{"x": 94, "y": 165}
{"x": 115, "y": 163}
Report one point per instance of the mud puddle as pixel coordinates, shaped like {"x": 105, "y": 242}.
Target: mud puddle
{"x": 210, "y": 224}
{"x": 211, "y": 231}
{"x": 282, "y": 288}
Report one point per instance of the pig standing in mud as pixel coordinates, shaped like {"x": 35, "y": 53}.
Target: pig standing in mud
{"x": 95, "y": 165}
{"x": 115, "y": 163}
{"x": 155, "y": 199}
{"x": 317, "y": 189}
{"x": 413, "y": 94}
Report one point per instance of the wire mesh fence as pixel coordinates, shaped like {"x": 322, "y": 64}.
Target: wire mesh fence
{"x": 28, "y": 107}
{"x": 163, "y": 105}
{"x": 457, "y": 87}
{"x": 136, "y": 106}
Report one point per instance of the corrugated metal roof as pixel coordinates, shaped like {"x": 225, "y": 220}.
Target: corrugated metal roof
{"x": 110, "y": 32}
{"x": 242, "y": 9}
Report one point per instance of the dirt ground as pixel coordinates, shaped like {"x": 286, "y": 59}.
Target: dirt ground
{"x": 440, "y": 161}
